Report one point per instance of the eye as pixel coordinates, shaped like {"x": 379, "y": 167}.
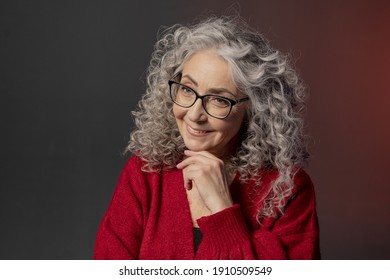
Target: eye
{"x": 186, "y": 90}
{"x": 219, "y": 101}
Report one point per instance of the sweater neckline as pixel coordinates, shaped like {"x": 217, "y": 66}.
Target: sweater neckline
{"x": 186, "y": 217}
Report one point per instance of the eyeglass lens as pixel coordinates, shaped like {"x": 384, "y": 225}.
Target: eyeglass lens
{"x": 214, "y": 105}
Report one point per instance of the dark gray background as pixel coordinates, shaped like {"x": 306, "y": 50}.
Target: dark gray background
{"x": 71, "y": 72}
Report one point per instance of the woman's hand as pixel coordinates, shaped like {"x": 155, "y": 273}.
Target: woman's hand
{"x": 207, "y": 173}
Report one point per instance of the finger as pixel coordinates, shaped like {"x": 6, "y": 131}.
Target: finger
{"x": 193, "y": 160}
{"x": 202, "y": 153}
{"x": 199, "y": 158}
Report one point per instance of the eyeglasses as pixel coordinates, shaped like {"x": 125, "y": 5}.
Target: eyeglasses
{"x": 217, "y": 106}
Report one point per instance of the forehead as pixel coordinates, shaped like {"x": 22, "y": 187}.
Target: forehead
{"x": 208, "y": 69}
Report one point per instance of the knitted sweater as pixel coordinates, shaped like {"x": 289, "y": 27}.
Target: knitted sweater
{"x": 149, "y": 218}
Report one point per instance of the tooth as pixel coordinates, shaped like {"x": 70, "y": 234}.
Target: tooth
{"x": 198, "y": 131}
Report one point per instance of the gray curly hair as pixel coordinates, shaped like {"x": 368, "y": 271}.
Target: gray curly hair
{"x": 273, "y": 135}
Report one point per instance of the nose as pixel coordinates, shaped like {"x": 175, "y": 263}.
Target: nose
{"x": 196, "y": 112}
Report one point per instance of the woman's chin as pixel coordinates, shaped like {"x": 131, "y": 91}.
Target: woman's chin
{"x": 197, "y": 148}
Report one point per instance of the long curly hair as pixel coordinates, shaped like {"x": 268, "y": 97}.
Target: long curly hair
{"x": 272, "y": 137}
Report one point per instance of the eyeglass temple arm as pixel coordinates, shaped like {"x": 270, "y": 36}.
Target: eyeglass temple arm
{"x": 242, "y": 99}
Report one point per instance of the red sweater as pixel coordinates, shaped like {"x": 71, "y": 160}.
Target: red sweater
{"x": 149, "y": 218}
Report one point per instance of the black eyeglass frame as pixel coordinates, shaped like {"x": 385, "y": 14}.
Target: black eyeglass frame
{"x": 232, "y": 102}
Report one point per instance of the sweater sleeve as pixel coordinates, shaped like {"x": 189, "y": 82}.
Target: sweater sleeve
{"x": 293, "y": 235}
{"x": 120, "y": 234}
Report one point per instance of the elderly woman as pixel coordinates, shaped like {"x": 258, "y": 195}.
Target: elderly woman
{"x": 217, "y": 154}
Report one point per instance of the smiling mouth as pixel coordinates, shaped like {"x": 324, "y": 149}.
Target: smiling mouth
{"x": 195, "y": 131}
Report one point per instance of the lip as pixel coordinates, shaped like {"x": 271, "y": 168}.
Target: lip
{"x": 196, "y": 132}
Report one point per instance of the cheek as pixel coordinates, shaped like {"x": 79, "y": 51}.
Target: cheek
{"x": 225, "y": 130}
{"x": 231, "y": 131}
{"x": 233, "y": 125}
{"x": 178, "y": 112}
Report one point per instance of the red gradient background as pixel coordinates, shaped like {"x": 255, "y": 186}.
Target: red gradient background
{"x": 343, "y": 54}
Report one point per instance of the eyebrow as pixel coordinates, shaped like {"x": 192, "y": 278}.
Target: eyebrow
{"x": 212, "y": 90}
{"x": 190, "y": 78}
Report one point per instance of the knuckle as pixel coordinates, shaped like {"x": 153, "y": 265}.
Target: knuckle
{"x": 218, "y": 163}
{"x": 204, "y": 171}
